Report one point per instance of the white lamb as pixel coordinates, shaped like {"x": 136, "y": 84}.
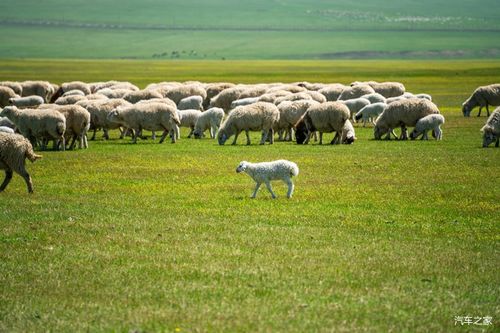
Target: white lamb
{"x": 211, "y": 120}
{"x": 371, "y": 111}
{"x": 427, "y": 123}
{"x": 266, "y": 171}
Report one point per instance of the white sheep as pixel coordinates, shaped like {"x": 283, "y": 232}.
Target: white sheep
{"x": 191, "y": 103}
{"x": 14, "y": 149}
{"x": 355, "y": 92}
{"x": 482, "y": 97}
{"x": 38, "y": 124}
{"x": 136, "y": 96}
{"x": 244, "y": 101}
{"x": 6, "y": 129}
{"x": 374, "y": 98}
{"x": 402, "y": 113}
{"x": 332, "y": 91}
{"x": 264, "y": 172}
{"x": 26, "y": 102}
{"x": 371, "y": 111}
{"x": 386, "y": 89}
{"x": 290, "y": 113}
{"x": 99, "y": 110}
{"x": 16, "y": 86}
{"x": 69, "y": 100}
{"x": 491, "y": 130}
{"x": 324, "y": 118}
{"x": 431, "y": 122}
{"x": 188, "y": 119}
{"x": 355, "y": 105}
{"x": 6, "y": 122}
{"x": 43, "y": 89}
{"x": 77, "y": 123}
{"x": 211, "y": 120}
{"x": 348, "y": 133}
{"x": 260, "y": 116}
{"x": 74, "y": 92}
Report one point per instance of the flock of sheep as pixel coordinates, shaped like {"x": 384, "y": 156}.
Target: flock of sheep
{"x": 42, "y": 112}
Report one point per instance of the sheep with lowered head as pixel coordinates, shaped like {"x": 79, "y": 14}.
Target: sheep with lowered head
{"x": 260, "y": 116}
{"x": 99, "y": 110}
{"x": 43, "y": 89}
{"x": 211, "y": 120}
{"x": 188, "y": 119}
{"x": 26, "y": 102}
{"x": 371, "y": 111}
{"x": 348, "y": 133}
{"x": 77, "y": 123}
{"x": 482, "y": 97}
{"x": 402, "y": 114}
{"x": 14, "y": 149}
{"x": 290, "y": 113}
{"x": 332, "y": 91}
{"x": 491, "y": 131}
{"x": 355, "y": 105}
{"x": 265, "y": 172}
{"x": 324, "y": 118}
{"x": 432, "y": 123}
{"x": 148, "y": 116}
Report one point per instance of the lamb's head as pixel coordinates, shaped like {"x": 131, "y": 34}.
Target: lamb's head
{"x": 488, "y": 136}
{"x": 242, "y": 166}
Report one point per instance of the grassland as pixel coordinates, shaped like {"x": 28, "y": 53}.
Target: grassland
{"x": 380, "y": 236}
{"x": 216, "y": 29}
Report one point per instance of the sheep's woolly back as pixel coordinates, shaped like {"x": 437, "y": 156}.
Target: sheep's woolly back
{"x": 388, "y": 89}
{"x": 405, "y": 112}
{"x": 41, "y": 88}
{"x": 328, "y": 117}
{"x": 191, "y": 102}
{"x": 253, "y": 117}
{"x": 188, "y": 118}
{"x": 136, "y": 96}
{"x": 332, "y": 91}
{"x": 487, "y": 95}
{"x": 76, "y": 85}
{"x": 493, "y": 123}
{"x": 291, "y": 111}
{"x": 72, "y": 99}
{"x": 14, "y": 149}
{"x": 6, "y": 94}
{"x": 16, "y": 86}
{"x": 25, "y": 102}
{"x": 356, "y": 91}
{"x": 176, "y": 94}
{"x": 149, "y": 116}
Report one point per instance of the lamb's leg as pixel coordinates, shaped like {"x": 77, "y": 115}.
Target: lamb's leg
{"x": 268, "y": 185}
{"x": 153, "y": 135}
{"x": 6, "y": 181}
{"x": 191, "y": 133}
{"x": 63, "y": 143}
{"x": 22, "y": 171}
{"x": 290, "y": 188}
{"x": 256, "y": 190}
{"x": 72, "y": 145}
{"x": 236, "y": 138}
{"x": 85, "y": 141}
{"x": 404, "y": 133}
{"x": 135, "y": 134}
{"x": 424, "y": 136}
{"x": 212, "y": 132}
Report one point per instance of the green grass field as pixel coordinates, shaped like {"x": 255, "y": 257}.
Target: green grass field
{"x": 261, "y": 29}
{"x": 380, "y": 236}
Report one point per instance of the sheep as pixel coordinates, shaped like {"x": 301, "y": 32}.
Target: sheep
{"x": 99, "y": 110}
{"x": 26, "y": 102}
{"x": 77, "y": 124}
{"x": 254, "y": 117}
{"x": 348, "y": 133}
{"x": 310, "y": 86}
{"x": 244, "y": 101}
{"x": 332, "y": 91}
{"x": 482, "y": 97}
{"x": 226, "y": 97}
{"x": 371, "y": 111}
{"x": 16, "y": 86}
{"x": 290, "y": 113}
{"x": 355, "y": 105}
{"x": 386, "y": 89}
{"x": 402, "y": 113}
{"x": 70, "y": 86}
{"x": 6, "y": 129}
{"x": 5, "y": 95}
{"x": 316, "y": 96}
{"x": 74, "y": 92}
{"x": 325, "y": 117}
{"x": 38, "y": 124}
{"x": 43, "y": 89}
{"x": 491, "y": 130}
{"x": 374, "y": 98}
{"x": 68, "y": 100}
{"x": 113, "y": 85}
{"x": 271, "y": 97}
{"x": 188, "y": 119}
{"x": 14, "y": 149}
{"x": 430, "y": 122}
{"x": 355, "y": 92}
{"x": 294, "y": 97}
{"x": 96, "y": 96}
{"x": 264, "y": 172}
{"x": 391, "y": 100}
{"x": 211, "y": 120}
{"x": 176, "y": 94}
{"x": 425, "y": 96}
{"x": 149, "y": 116}
{"x": 114, "y": 93}
{"x": 136, "y": 96}
{"x": 191, "y": 103}
{"x": 213, "y": 89}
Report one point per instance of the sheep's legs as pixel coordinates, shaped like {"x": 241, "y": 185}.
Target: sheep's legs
{"x": 164, "y": 135}
{"x": 93, "y": 135}
{"x": 6, "y": 181}
{"x": 26, "y": 177}
{"x": 270, "y": 189}
{"x": 480, "y": 108}
{"x": 212, "y": 132}
{"x": 236, "y": 138}
{"x": 265, "y": 134}
{"x": 487, "y": 110}
{"x": 320, "y": 138}
{"x": 191, "y": 133}
{"x": 290, "y": 188}
{"x": 404, "y": 133}
{"x": 257, "y": 186}
{"x": 425, "y": 136}
{"x": 247, "y": 133}
{"x": 497, "y": 143}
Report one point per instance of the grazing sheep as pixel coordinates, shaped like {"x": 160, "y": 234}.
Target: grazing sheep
{"x": 425, "y": 96}
{"x": 136, "y": 96}
{"x": 355, "y": 105}
{"x": 211, "y": 120}
{"x": 332, "y": 91}
{"x": 113, "y": 85}
{"x": 226, "y": 97}
{"x": 14, "y": 149}
{"x": 348, "y": 133}
{"x": 77, "y": 124}
{"x": 16, "y": 86}
{"x": 99, "y": 110}
{"x": 38, "y": 124}
{"x": 148, "y": 116}
{"x": 386, "y": 89}
{"x": 191, "y": 103}
{"x": 431, "y": 122}
{"x": 26, "y": 102}
{"x": 271, "y": 97}
{"x": 264, "y": 172}
{"x": 374, "y": 98}
{"x": 71, "y": 86}
{"x": 371, "y": 111}
{"x": 244, "y": 101}
{"x": 6, "y": 94}
{"x": 96, "y": 96}
{"x": 482, "y": 97}
{"x": 188, "y": 119}
{"x": 355, "y": 92}
{"x": 6, "y": 129}
{"x": 43, "y": 89}
{"x": 325, "y": 118}
{"x": 402, "y": 113}
{"x": 491, "y": 131}
{"x": 310, "y": 86}
{"x": 290, "y": 113}
{"x": 69, "y": 100}
{"x": 260, "y": 116}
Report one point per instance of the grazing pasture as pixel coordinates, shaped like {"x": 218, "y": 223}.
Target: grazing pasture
{"x": 379, "y": 235}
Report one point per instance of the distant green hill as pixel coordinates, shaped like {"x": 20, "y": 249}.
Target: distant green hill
{"x": 262, "y": 29}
